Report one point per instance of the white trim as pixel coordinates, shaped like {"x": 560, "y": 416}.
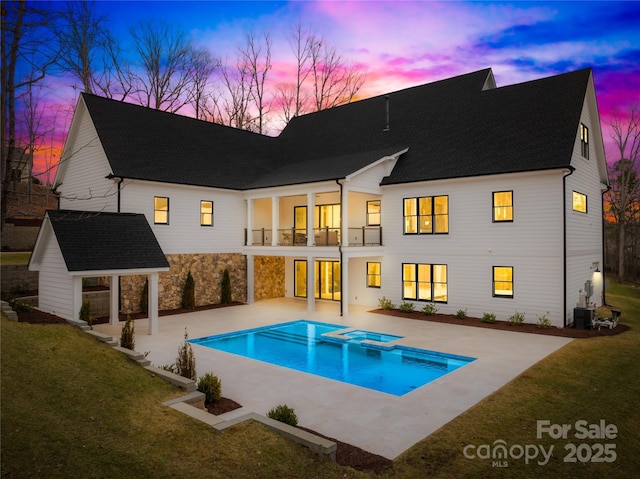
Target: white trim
{"x": 118, "y": 272}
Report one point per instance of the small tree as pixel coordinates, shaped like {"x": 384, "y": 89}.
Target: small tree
{"x": 127, "y": 334}
{"x": 189, "y": 293}
{"x": 144, "y": 298}
{"x": 85, "y": 313}
{"x": 186, "y": 361}
{"x": 225, "y": 288}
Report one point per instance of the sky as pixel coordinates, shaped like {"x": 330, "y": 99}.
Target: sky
{"x": 406, "y": 43}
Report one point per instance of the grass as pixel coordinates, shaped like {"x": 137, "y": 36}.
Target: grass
{"x": 69, "y": 410}
{"x": 7, "y": 257}
{"x": 73, "y": 407}
{"x": 590, "y": 380}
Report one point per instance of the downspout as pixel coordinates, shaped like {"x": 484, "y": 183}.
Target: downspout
{"x": 604, "y": 300}
{"x": 111, "y": 177}
{"x": 564, "y": 241}
{"x": 340, "y": 248}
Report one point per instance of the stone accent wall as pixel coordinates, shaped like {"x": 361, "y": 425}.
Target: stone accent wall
{"x": 18, "y": 277}
{"x": 268, "y": 277}
{"x": 206, "y": 269}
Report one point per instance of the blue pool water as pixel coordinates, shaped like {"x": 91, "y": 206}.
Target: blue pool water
{"x": 301, "y": 345}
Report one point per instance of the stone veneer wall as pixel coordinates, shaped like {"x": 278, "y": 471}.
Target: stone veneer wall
{"x": 206, "y": 269}
{"x": 268, "y": 277}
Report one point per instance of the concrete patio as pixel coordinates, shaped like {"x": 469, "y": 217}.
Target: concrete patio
{"x": 377, "y": 422}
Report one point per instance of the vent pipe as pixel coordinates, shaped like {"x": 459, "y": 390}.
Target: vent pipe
{"x": 388, "y": 125}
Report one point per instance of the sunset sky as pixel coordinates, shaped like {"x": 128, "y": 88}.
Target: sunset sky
{"x": 406, "y": 43}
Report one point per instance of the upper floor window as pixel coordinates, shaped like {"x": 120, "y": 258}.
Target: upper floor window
{"x": 206, "y": 213}
{"x": 373, "y": 213}
{"x": 579, "y": 202}
{"x": 161, "y": 210}
{"x": 502, "y": 206}
{"x": 424, "y": 282}
{"x": 426, "y": 215}
{"x": 584, "y": 140}
{"x": 503, "y": 281}
{"x": 373, "y": 275}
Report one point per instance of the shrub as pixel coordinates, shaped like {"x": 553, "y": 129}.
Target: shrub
{"x": 127, "y": 334}
{"x": 85, "y": 313}
{"x": 169, "y": 367}
{"x": 516, "y": 319}
{"x": 430, "y": 309}
{"x": 488, "y": 318}
{"x": 144, "y": 298}
{"x": 189, "y": 293}
{"x": 544, "y": 322}
{"x": 461, "y": 314}
{"x": 20, "y": 306}
{"x": 186, "y": 361}
{"x": 211, "y": 386}
{"x": 385, "y": 304}
{"x": 284, "y": 413}
{"x": 407, "y": 307}
{"x": 225, "y": 288}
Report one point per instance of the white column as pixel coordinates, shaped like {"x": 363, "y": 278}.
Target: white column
{"x": 344, "y": 217}
{"x": 249, "y": 222}
{"x": 154, "y": 326}
{"x": 77, "y": 297}
{"x": 344, "y": 273}
{"x": 311, "y": 285}
{"x": 275, "y": 220}
{"x": 311, "y": 218}
{"x": 115, "y": 296}
{"x": 250, "y": 279}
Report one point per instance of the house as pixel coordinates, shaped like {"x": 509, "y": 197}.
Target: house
{"x": 456, "y": 192}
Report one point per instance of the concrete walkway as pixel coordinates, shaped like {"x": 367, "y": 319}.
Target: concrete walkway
{"x": 377, "y": 422}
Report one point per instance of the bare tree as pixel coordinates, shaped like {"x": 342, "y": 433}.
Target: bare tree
{"x": 167, "y": 58}
{"x": 624, "y": 195}
{"x": 231, "y": 106}
{"x": 203, "y": 66}
{"x": 256, "y": 59}
{"x": 335, "y": 81}
{"x": 90, "y": 53}
{"x": 27, "y": 53}
{"x": 292, "y": 99}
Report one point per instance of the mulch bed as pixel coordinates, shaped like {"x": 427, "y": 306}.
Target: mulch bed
{"x": 506, "y": 326}
{"x": 346, "y": 454}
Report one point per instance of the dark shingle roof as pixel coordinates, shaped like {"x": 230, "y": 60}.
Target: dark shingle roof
{"x": 453, "y": 128}
{"x": 99, "y": 241}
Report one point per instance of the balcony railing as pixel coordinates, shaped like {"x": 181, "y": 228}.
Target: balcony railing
{"x": 363, "y": 236}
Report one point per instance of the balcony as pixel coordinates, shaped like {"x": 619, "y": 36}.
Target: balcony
{"x": 362, "y": 236}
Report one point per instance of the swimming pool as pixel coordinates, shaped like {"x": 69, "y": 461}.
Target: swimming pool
{"x": 359, "y": 359}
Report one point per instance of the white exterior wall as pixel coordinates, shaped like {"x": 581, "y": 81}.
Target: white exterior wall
{"x": 55, "y": 284}
{"x": 184, "y": 234}
{"x": 532, "y": 244}
{"x": 584, "y": 231}
{"x": 83, "y": 184}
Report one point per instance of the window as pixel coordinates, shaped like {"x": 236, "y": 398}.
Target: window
{"x": 373, "y": 213}
{"x": 161, "y": 210}
{"x": 579, "y": 202}
{"x": 503, "y": 281}
{"x": 584, "y": 141}
{"x": 206, "y": 213}
{"x": 373, "y": 275}
{"x": 426, "y": 215}
{"x": 425, "y": 282}
{"x": 502, "y": 206}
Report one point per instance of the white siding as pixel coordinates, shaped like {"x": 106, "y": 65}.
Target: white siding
{"x": 55, "y": 284}
{"x": 584, "y": 230}
{"x": 84, "y": 186}
{"x": 184, "y": 234}
{"x": 532, "y": 244}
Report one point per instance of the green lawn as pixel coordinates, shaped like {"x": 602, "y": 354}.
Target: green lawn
{"x": 8, "y": 257}
{"x": 73, "y": 407}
